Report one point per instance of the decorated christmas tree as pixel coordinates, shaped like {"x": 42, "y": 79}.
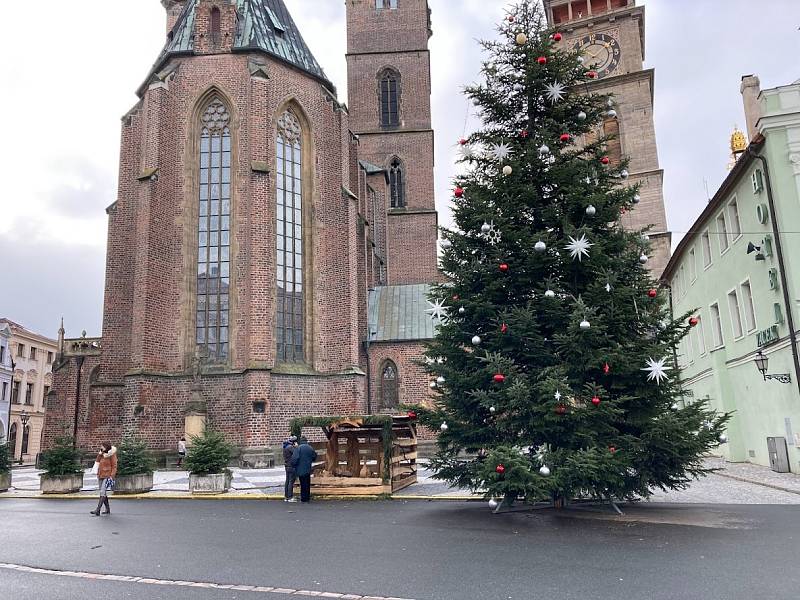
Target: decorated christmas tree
{"x": 554, "y": 367}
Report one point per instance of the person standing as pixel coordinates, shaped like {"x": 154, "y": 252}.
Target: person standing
{"x": 303, "y": 459}
{"x": 291, "y": 476}
{"x": 181, "y": 451}
{"x": 106, "y": 473}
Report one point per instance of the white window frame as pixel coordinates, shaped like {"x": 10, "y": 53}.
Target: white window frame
{"x": 733, "y": 213}
{"x": 737, "y": 326}
{"x": 692, "y": 264}
{"x": 722, "y": 234}
{"x": 705, "y": 241}
{"x": 749, "y": 307}
{"x": 701, "y": 331}
{"x": 717, "y": 330}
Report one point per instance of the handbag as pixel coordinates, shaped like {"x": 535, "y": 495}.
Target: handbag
{"x": 95, "y": 468}
{"x": 110, "y": 483}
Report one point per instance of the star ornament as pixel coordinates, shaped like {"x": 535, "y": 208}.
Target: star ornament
{"x": 657, "y": 370}
{"x": 500, "y": 151}
{"x": 556, "y": 91}
{"x": 466, "y": 152}
{"x": 557, "y": 396}
{"x": 437, "y": 311}
{"x": 492, "y": 234}
{"x": 578, "y": 248}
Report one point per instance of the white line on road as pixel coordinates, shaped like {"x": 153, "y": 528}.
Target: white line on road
{"x": 195, "y": 584}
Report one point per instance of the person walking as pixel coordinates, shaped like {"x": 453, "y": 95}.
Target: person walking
{"x": 106, "y": 473}
{"x": 181, "y": 451}
{"x": 303, "y": 459}
{"x": 291, "y": 476}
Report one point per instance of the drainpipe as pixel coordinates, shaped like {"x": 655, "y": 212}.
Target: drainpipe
{"x": 369, "y": 377}
{"x": 781, "y": 264}
{"x": 79, "y": 362}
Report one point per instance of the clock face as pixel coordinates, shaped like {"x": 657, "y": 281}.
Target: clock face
{"x": 601, "y": 52}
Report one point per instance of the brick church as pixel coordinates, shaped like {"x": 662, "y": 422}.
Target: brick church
{"x": 271, "y": 249}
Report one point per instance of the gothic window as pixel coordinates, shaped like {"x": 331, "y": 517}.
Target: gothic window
{"x": 390, "y": 98}
{"x": 397, "y": 184}
{"x": 216, "y": 24}
{"x": 26, "y": 434}
{"x": 214, "y": 234}
{"x": 389, "y": 388}
{"x": 290, "y": 312}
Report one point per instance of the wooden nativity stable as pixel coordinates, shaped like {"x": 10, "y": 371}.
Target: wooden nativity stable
{"x": 364, "y": 455}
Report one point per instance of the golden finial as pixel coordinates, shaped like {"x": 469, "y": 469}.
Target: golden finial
{"x": 738, "y": 142}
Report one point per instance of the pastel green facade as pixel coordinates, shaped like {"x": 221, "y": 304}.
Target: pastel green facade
{"x": 717, "y": 358}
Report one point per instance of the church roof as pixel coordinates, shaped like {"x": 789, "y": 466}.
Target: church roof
{"x": 397, "y": 313}
{"x": 262, "y": 25}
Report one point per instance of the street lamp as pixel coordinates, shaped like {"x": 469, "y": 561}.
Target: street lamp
{"x": 762, "y": 363}
{"x": 24, "y": 417}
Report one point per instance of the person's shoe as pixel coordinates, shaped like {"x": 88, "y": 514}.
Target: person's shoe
{"x": 292, "y": 500}
{"x": 96, "y": 513}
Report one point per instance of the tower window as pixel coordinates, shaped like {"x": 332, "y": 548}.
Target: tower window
{"x": 397, "y": 186}
{"x": 216, "y": 24}
{"x": 290, "y": 312}
{"x": 390, "y": 98}
{"x": 214, "y": 234}
{"x": 386, "y": 4}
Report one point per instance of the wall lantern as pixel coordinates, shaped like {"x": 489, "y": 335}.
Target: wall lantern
{"x": 762, "y": 363}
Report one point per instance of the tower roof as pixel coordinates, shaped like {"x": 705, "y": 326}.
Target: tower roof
{"x": 262, "y": 25}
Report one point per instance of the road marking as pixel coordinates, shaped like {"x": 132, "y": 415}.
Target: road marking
{"x": 196, "y": 584}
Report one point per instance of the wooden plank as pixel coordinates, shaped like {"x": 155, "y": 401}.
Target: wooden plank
{"x": 408, "y": 456}
{"x": 399, "y": 472}
{"x": 374, "y": 490}
{"x": 346, "y": 481}
{"x": 404, "y": 443}
{"x": 404, "y": 483}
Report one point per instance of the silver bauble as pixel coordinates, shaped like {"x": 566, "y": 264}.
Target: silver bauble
{"x": 476, "y": 340}
{"x": 432, "y": 385}
{"x": 585, "y": 324}
{"x": 582, "y": 116}
{"x": 612, "y": 114}
{"x": 637, "y": 198}
{"x": 581, "y": 60}
{"x": 461, "y": 310}
{"x": 549, "y": 294}
{"x": 439, "y": 380}
{"x": 643, "y": 259}
{"x": 445, "y": 244}
{"x": 486, "y": 228}
{"x": 723, "y": 439}
{"x": 540, "y": 246}
{"x": 624, "y": 174}
{"x": 493, "y": 504}
{"x": 591, "y": 210}
{"x": 545, "y": 149}
{"x": 544, "y": 471}
{"x": 492, "y": 409}
{"x": 507, "y": 170}
{"x": 443, "y": 426}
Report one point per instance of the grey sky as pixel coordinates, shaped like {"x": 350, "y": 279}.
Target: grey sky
{"x": 68, "y": 80}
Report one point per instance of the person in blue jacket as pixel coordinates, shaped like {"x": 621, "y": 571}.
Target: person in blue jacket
{"x": 303, "y": 460}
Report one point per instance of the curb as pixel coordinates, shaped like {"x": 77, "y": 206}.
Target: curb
{"x": 761, "y": 483}
{"x": 251, "y": 497}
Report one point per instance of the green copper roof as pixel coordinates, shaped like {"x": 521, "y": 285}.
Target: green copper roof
{"x": 262, "y": 25}
{"x": 397, "y": 313}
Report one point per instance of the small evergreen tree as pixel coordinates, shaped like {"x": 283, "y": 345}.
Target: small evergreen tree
{"x": 209, "y": 453}
{"x": 5, "y": 458}
{"x": 62, "y": 459}
{"x": 134, "y": 458}
{"x": 554, "y": 361}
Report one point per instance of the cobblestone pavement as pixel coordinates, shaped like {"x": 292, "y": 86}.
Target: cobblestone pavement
{"x": 735, "y": 483}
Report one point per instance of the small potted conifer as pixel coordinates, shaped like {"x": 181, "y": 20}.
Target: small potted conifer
{"x": 207, "y": 463}
{"x": 134, "y": 467}
{"x": 5, "y": 467}
{"x": 63, "y": 473}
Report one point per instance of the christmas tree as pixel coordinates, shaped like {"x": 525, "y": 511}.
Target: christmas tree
{"x": 554, "y": 366}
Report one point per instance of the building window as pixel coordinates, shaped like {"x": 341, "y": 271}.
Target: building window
{"x": 259, "y": 407}
{"x": 722, "y": 231}
{"x": 28, "y": 393}
{"x": 15, "y": 392}
{"x": 49, "y": 358}
{"x": 290, "y": 313}
{"x": 389, "y": 389}
{"x": 216, "y": 25}
{"x": 20, "y": 350}
{"x": 397, "y": 184}
{"x": 749, "y": 308}
{"x": 44, "y": 395}
{"x": 33, "y": 353}
{"x": 26, "y": 436}
{"x": 390, "y": 98}
{"x": 214, "y": 236}
{"x": 12, "y": 439}
{"x": 692, "y": 266}
{"x": 716, "y": 325}
{"x": 2, "y": 355}
{"x": 736, "y": 314}
{"x": 386, "y": 4}
{"x": 706, "y": 240}
{"x": 735, "y": 223}
{"x": 701, "y": 336}
{"x": 5, "y": 389}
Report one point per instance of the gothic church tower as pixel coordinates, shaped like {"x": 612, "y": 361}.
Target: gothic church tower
{"x": 389, "y": 83}
{"x": 611, "y": 33}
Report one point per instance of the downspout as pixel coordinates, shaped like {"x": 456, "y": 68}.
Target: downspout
{"x": 369, "y": 376}
{"x": 79, "y": 361}
{"x": 781, "y": 264}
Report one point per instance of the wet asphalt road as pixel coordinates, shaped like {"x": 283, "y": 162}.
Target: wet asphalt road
{"x": 415, "y": 550}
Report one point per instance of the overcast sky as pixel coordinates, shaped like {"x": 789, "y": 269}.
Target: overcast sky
{"x": 69, "y": 72}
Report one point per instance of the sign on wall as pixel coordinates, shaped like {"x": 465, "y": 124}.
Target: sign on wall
{"x": 768, "y": 336}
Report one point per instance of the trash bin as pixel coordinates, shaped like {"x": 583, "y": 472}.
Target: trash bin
{"x": 778, "y": 454}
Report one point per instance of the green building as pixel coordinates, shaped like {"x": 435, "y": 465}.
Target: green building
{"x": 737, "y": 273}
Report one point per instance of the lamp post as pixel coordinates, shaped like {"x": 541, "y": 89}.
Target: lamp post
{"x": 24, "y": 418}
{"x": 762, "y": 363}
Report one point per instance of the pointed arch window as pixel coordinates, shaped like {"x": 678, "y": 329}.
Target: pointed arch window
{"x": 214, "y": 234}
{"x": 397, "y": 184}
{"x": 390, "y": 396}
{"x": 216, "y": 24}
{"x": 26, "y": 436}
{"x": 290, "y": 312}
{"x": 390, "y": 98}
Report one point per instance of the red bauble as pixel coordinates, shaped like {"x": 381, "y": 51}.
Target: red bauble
{"x": 558, "y": 37}
{"x": 542, "y": 60}
{"x": 458, "y": 192}
{"x": 561, "y": 409}
{"x": 462, "y": 141}
{"x": 596, "y": 401}
{"x": 500, "y": 469}
{"x": 694, "y": 321}
{"x": 605, "y": 160}
{"x": 510, "y": 18}
{"x": 503, "y": 328}
{"x": 504, "y": 268}
{"x": 612, "y": 449}
{"x": 565, "y": 137}
{"x": 652, "y": 293}
{"x": 606, "y": 369}
{"x": 499, "y": 378}
{"x": 592, "y": 74}
{"x": 524, "y": 134}
{"x": 456, "y": 298}
{"x": 411, "y": 414}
